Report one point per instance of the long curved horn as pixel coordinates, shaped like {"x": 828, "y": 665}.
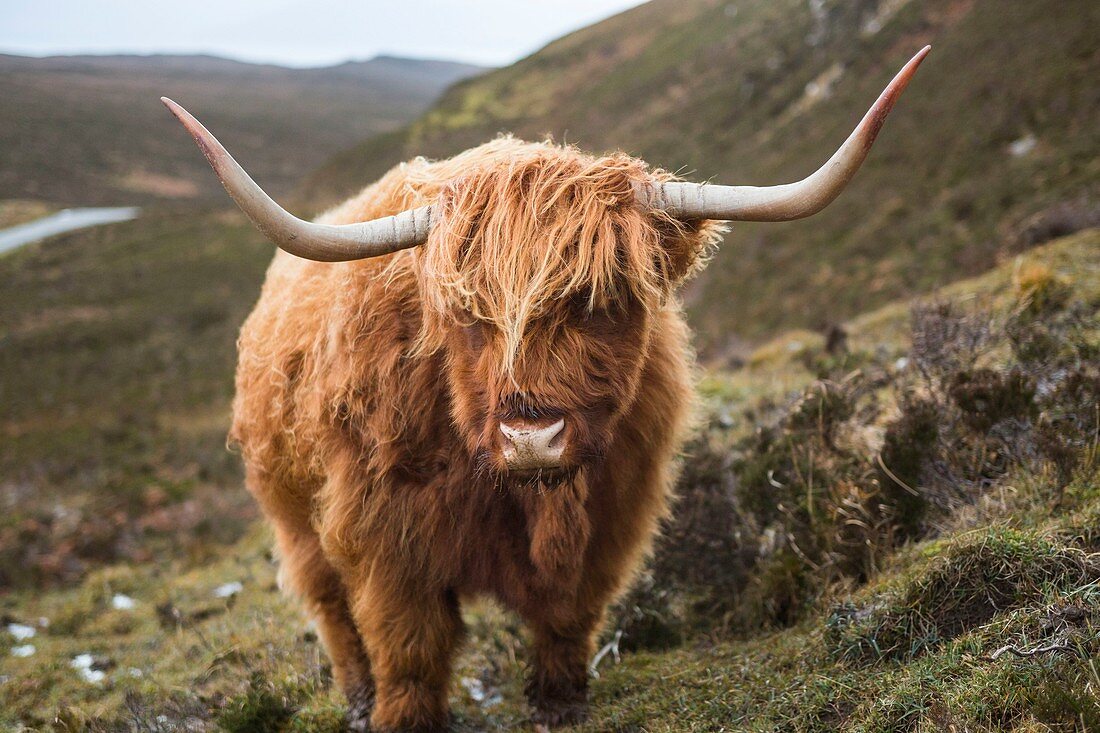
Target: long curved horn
{"x": 323, "y": 242}
{"x": 791, "y": 200}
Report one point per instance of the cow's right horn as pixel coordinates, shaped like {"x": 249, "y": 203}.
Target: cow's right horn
{"x": 790, "y": 200}
{"x": 323, "y": 242}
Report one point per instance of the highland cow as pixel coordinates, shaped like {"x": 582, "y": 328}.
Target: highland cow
{"x": 473, "y": 378}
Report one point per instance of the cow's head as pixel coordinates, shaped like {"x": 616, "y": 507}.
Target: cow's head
{"x": 541, "y": 281}
{"x": 543, "y": 271}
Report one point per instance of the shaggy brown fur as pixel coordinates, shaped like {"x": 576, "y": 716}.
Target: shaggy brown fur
{"x": 369, "y": 396}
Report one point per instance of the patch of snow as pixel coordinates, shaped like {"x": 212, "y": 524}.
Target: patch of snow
{"x": 820, "y": 27}
{"x": 225, "y": 590}
{"x": 886, "y": 10}
{"x": 1023, "y": 146}
{"x": 21, "y": 632}
{"x": 901, "y": 363}
{"x": 24, "y": 650}
{"x": 83, "y": 664}
{"x": 474, "y": 687}
{"x": 821, "y": 87}
{"x": 122, "y": 602}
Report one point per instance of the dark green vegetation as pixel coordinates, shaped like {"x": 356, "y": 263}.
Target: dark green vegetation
{"x": 991, "y": 150}
{"x": 91, "y": 130}
{"x": 837, "y": 559}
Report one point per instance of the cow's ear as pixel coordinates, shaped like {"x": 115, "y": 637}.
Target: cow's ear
{"x": 685, "y": 248}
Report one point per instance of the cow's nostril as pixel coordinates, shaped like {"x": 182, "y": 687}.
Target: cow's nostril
{"x": 529, "y": 445}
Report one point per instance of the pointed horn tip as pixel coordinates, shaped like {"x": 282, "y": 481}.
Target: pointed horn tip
{"x": 910, "y": 67}
{"x": 885, "y": 103}
{"x": 177, "y": 111}
{"x": 920, "y": 55}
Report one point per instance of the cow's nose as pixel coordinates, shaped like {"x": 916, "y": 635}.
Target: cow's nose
{"x": 530, "y": 445}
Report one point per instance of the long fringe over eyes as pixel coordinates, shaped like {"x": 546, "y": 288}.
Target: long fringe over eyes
{"x": 527, "y": 224}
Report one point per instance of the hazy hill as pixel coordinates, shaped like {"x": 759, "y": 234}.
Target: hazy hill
{"x": 91, "y": 129}
{"x": 993, "y": 148}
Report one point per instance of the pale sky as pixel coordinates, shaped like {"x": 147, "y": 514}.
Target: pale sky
{"x": 297, "y": 32}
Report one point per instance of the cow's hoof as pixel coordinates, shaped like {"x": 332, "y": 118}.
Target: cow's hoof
{"x": 554, "y": 714}
{"x": 360, "y": 705}
{"x": 415, "y": 728}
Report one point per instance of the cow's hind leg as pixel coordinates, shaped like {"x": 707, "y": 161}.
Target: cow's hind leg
{"x": 305, "y": 572}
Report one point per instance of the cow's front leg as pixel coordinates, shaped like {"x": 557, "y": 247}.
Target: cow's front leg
{"x": 411, "y": 635}
{"x": 558, "y": 688}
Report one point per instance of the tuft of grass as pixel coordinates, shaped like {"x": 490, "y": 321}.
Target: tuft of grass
{"x": 962, "y": 585}
{"x": 1038, "y": 287}
{"x": 261, "y": 707}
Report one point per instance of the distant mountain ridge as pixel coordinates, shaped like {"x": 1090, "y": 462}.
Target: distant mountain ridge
{"x": 993, "y": 147}
{"x": 90, "y": 129}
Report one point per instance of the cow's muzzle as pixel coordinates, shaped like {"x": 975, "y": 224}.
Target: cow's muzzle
{"x": 529, "y": 445}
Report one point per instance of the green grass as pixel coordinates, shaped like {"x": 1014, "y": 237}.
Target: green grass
{"x": 720, "y": 639}
{"x": 718, "y": 91}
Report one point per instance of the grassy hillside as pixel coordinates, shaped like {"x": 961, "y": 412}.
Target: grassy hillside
{"x": 116, "y": 361}
{"x": 993, "y": 148}
{"x": 91, "y": 130}
{"x": 895, "y": 528}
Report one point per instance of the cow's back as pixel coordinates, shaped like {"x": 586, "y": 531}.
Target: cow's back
{"x": 327, "y": 343}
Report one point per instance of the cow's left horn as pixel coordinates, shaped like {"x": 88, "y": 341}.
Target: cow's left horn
{"x": 323, "y": 242}
{"x": 791, "y": 200}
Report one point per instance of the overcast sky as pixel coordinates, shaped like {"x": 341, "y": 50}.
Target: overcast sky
{"x": 297, "y": 32}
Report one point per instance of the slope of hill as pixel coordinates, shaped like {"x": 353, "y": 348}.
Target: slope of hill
{"x": 993, "y": 147}
{"x": 90, "y": 129}
{"x": 831, "y": 564}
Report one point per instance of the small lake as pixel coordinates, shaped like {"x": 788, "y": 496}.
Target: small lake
{"x": 63, "y": 221}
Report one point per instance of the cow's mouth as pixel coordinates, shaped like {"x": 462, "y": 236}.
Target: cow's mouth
{"x": 536, "y": 479}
